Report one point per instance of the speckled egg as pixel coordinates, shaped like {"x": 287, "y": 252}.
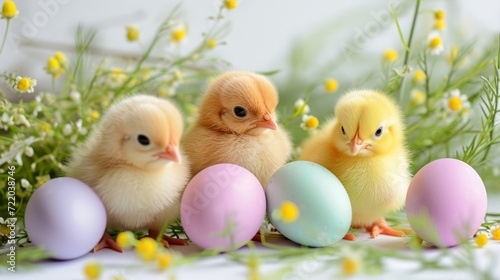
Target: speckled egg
{"x": 223, "y": 207}
{"x": 308, "y": 204}
{"x": 446, "y": 202}
{"x": 65, "y": 217}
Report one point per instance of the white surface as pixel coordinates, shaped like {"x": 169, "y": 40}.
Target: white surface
{"x": 221, "y": 267}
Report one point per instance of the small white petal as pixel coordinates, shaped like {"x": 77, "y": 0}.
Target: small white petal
{"x": 79, "y": 123}
{"x": 5, "y": 117}
{"x": 67, "y": 130}
{"x": 28, "y": 151}
{"x": 25, "y": 183}
{"x": 22, "y": 120}
{"x": 75, "y": 95}
{"x": 19, "y": 159}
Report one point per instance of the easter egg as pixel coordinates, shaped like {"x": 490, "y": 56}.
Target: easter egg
{"x": 223, "y": 207}
{"x": 446, "y": 202}
{"x": 65, "y": 217}
{"x": 308, "y": 204}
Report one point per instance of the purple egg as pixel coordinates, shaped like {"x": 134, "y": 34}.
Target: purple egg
{"x": 446, "y": 202}
{"x": 223, "y": 207}
{"x": 65, "y": 217}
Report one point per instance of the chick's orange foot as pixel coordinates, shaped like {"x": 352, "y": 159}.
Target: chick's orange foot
{"x": 380, "y": 227}
{"x": 107, "y": 242}
{"x": 349, "y": 237}
{"x": 167, "y": 240}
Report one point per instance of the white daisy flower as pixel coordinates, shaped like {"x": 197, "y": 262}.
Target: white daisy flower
{"x": 435, "y": 43}
{"x": 456, "y": 103}
{"x": 299, "y": 104}
{"x": 309, "y": 122}
{"x": 418, "y": 97}
{"x": 24, "y": 84}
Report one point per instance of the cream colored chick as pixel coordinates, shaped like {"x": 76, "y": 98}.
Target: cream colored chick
{"x": 364, "y": 146}
{"x": 133, "y": 162}
{"x": 237, "y": 124}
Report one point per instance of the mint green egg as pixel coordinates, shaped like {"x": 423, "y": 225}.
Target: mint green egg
{"x": 324, "y": 209}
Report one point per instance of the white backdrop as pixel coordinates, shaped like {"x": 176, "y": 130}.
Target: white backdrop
{"x": 262, "y": 31}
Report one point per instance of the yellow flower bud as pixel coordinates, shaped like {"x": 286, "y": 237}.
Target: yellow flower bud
{"x": 53, "y": 66}
{"x": 133, "y": 33}
{"x": 23, "y": 84}
{"x": 289, "y": 212}
{"x": 164, "y": 260}
{"x": 496, "y": 233}
{"x": 63, "y": 61}
{"x": 231, "y": 4}
{"x": 211, "y": 43}
{"x": 350, "y": 266}
{"x": 146, "y": 248}
{"x": 9, "y": 10}
{"x": 440, "y": 24}
{"x": 179, "y": 34}
{"x": 481, "y": 240}
{"x": 439, "y": 15}
{"x": 391, "y": 55}
{"x": 331, "y": 85}
{"x": 92, "y": 270}
{"x": 419, "y": 76}
{"x": 125, "y": 239}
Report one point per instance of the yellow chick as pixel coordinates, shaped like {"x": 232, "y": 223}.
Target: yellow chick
{"x": 133, "y": 162}
{"x": 364, "y": 146}
{"x": 237, "y": 124}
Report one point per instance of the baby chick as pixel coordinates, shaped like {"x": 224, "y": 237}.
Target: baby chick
{"x": 133, "y": 162}
{"x": 237, "y": 124}
{"x": 364, "y": 146}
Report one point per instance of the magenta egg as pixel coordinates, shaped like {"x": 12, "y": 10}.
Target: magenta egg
{"x": 65, "y": 217}
{"x": 223, "y": 207}
{"x": 446, "y": 202}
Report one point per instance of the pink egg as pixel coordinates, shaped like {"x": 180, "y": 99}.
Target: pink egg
{"x": 446, "y": 202}
{"x": 223, "y": 207}
{"x": 65, "y": 217}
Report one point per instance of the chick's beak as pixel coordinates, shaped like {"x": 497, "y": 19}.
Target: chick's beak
{"x": 356, "y": 144}
{"x": 267, "y": 122}
{"x": 171, "y": 153}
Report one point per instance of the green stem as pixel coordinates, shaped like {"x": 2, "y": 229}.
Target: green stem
{"x": 495, "y": 106}
{"x": 300, "y": 110}
{"x": 162, "y": 231}
{"x": 412, "y": 30}
{"x": 400, "y": 33}
{"x": 5, "y": 35}
{"x": 153, "y": 43}
{"x": 53, "y": 84}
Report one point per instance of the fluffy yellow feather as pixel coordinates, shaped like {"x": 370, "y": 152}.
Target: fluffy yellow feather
{"x": 133, "y": 163}
{"x": 364, "y": 146}
{"x": 237, "y": 124}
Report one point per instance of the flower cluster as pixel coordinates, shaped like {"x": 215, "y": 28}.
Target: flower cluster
{"x": 483, "y": 236}
{"x": 147, "y": 249}
{"x": 57, "y": 65}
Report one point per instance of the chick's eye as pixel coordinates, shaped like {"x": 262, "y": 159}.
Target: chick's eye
{"x": 239, "y": 111}
{"x": 379, "y": 131}
{"x": 143, "y": 140}
{"x": 343, "y": 131}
